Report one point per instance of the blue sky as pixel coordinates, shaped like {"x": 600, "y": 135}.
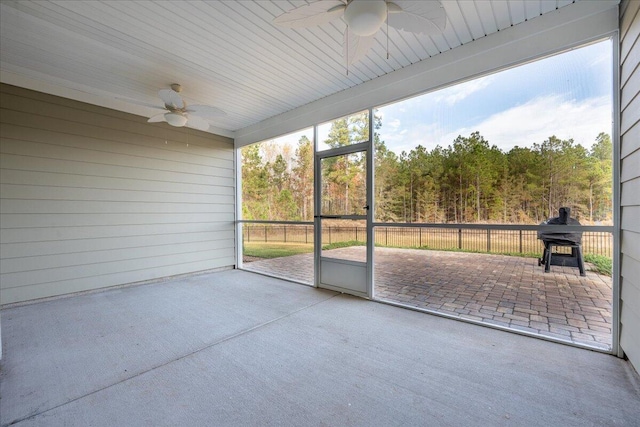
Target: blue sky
{"x": 567, "y": 95}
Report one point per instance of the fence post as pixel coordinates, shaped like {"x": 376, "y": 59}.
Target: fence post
{"x": 265, "y": 233}
{"x": 306, "y": 240}
{"x": 488, "y": 240}
{"x": 386, "y": 236}
{"x": 329, "y": 234}
{"x": 459, "y": 238}
{"x": 356, "y": 234}
{"x": 520, "y": 233}
{"x": 420, "y": 237}
{"x": 248, "y": 233}
{"x": 284, "y": 227}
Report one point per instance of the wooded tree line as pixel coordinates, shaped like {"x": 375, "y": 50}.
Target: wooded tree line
{"x": 468, "y": 181}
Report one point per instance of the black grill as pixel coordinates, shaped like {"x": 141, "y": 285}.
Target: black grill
{"x": 566, "y": 239}
{"x": 551, "y": 240}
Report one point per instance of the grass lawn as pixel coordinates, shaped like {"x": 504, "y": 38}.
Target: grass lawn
{"x": 601, "y": 264}
{"x": 276, "y": 250}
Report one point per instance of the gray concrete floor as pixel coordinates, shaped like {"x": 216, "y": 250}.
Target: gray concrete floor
{"x": 236, "y": 348}
{"x": 507, "y": 291}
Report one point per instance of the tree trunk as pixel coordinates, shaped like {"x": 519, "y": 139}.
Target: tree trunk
{"x": 591, "y": 202}
{"x": 478, "y": 197}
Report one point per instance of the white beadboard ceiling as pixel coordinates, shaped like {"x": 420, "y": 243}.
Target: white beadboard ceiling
{"x": 226, "y": 54}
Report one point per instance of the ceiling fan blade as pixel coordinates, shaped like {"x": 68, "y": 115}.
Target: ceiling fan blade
{"x": 205, "y": 111}
{"x": 196, "y": 122}
{"x": 170, "y": 97}
{"x": 420, "y": 17}
{"x": 157, "y": 118}
{"x": 312, "y": 14}
{"x": 354, "y": 47}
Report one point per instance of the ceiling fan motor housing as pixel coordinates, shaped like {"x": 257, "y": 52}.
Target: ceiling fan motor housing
{"x": 175, "y": 119}
{"x": 364, "y": 17}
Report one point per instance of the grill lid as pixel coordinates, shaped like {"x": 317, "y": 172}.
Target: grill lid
{"x": 566, "y": 238}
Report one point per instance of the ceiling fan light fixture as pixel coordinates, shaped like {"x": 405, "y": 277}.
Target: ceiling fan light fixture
{"x": 175, "y": 119}
{"x": 365, "y": 17}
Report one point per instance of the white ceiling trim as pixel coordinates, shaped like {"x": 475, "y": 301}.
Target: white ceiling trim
{"x": 544, "y": 35}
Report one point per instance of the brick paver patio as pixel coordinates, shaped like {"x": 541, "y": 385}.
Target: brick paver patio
{"x": 507, "y": 291}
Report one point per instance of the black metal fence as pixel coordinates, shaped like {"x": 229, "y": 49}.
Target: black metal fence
{"x": 489, "y": 240}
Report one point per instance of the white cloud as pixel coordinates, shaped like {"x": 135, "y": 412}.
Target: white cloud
{"x": 538, "y": 119}
{"x": 534, "y": 121}
{"x": 408, "y": 138}
{"x": 604, "y": 58}
{"x": 454, "y": 94}
{"x": 394, "y": 124}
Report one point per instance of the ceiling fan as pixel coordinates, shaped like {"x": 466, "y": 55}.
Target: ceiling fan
{"x": 365, "y": 17}
{"x": 178, "y": 114}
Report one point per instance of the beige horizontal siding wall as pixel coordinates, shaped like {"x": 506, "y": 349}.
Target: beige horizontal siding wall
{"x": 630, "y": 180}
{"x": 92, "y": 197}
